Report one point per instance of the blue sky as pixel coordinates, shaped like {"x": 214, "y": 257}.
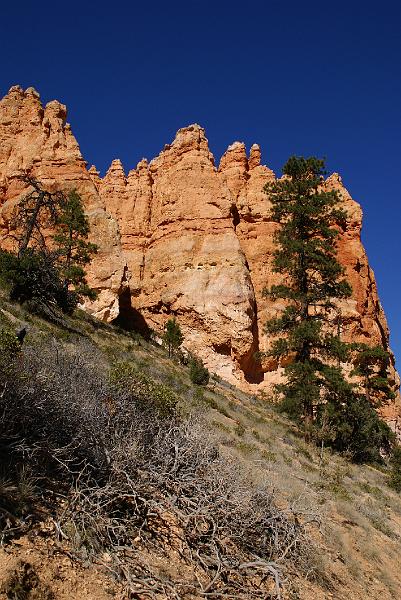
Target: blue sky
{"x": 307, "y": 78}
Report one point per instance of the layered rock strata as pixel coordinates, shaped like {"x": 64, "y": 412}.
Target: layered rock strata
{"x": 181, "y": 236}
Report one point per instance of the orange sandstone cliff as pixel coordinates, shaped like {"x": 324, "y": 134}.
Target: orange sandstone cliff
{"x": 182, "y": 236}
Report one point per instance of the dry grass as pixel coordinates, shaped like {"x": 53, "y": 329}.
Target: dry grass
{"x": 165, "y": 533}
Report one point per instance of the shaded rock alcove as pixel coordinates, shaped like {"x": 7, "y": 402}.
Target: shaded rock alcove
{"x": 234, "y": 214}
{"x": 129, "y": 318}
{"x": 251, "y": 366}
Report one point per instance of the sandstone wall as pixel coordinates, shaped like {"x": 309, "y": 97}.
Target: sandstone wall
{"x": 181, "y": 236}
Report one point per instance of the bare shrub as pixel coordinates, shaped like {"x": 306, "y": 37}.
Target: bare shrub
{"x": 134, "y": 476}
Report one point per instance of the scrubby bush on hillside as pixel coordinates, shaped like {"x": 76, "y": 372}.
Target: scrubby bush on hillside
{"x": 395, "y": 474}
{"x": 129, "y": 469}
{"x": 10, "y": 347}
{"x": 147, "y": 393}
{"x": 198, "y": 373}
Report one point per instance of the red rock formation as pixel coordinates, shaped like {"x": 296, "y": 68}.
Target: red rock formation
{"x": 180, "y": 236}
{"x": 36, "y": 140}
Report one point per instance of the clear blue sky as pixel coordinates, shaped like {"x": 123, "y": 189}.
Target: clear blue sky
{"x": 321, "y": 78}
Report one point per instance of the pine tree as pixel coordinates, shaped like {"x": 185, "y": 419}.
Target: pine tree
{"x": 73, "y": 251}
{"x": 350, "y": 424}
{"x": 34, "y": 213}
{"x": 371, "y": 364}
{"x": 48, "y": 269}
{"x": 172, "y": 337}
{"x": 309, "y": 218}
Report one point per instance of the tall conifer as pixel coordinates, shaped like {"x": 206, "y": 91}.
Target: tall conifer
{"x": 310, "y": 218}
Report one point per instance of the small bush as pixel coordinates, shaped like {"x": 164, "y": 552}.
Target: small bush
{"x": 395, "y": 474}
{"x": 198, "y": 373}
{"x": 10, "y": 347}
{"x": 9, "y": 343}
{"x": 147, "y": 393}
{"x": 239, "y": 429}
{"x": 33, "y": 276}
{"x": 199, "y": 396}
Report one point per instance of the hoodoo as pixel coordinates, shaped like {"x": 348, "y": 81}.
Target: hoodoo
{"x": 180, "y": 236}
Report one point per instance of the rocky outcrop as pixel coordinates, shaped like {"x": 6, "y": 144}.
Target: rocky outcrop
{"x": 180, "y": 236}
{"x": 36, "y": 140}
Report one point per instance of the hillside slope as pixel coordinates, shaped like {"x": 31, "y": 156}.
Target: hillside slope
{"x": 220, "y": 498}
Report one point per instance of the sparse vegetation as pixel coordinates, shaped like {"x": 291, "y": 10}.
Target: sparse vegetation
{"x": 198, "y": 372}
{"x": 23, "y": 584}
{"x": 129, "y": 466}
{"x": 395, "y": 474}
{"x": 9, "y": 347}
{"x": 172, "y": 337}
{"x": 134, "y": 466}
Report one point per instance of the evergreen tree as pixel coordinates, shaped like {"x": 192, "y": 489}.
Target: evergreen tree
{"x": 172, "y": 337}
{"x": 351, "y": 425}
{"x": 35, "y": 212}
{"x": 33, "y": 276}
{"x": 309, "y": 218}
{"x": 73, "y": 251}
{"x": 46, "y": 267}
{"x": 371, "y": 364}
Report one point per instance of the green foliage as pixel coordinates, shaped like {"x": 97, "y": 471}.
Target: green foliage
{"x": 51, "y": 275}
{"x": 395, "y": 474}
{"x": 33, "y": 276}
{"x": 240, "y": 429}
{"x": 73, "y": 251}
{"x": 198, "y": 373}
{"x": 9, "y": 343}
{"x": 354, "y": 427}
{"x": 10, "y": 348}
{"x": 306, "y": 256}
{"x": 199, "y": 396}
{"x": 7, "y": 264}
{"x": 371, "y": 364}
{"x": 146, "y": 393}
{"x": 172, "y": 337}
{"x": 316, "y": 391}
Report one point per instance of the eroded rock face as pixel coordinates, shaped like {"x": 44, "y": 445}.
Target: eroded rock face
{"x": 179, "y": 236}
{"x": 36, "y": 140}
